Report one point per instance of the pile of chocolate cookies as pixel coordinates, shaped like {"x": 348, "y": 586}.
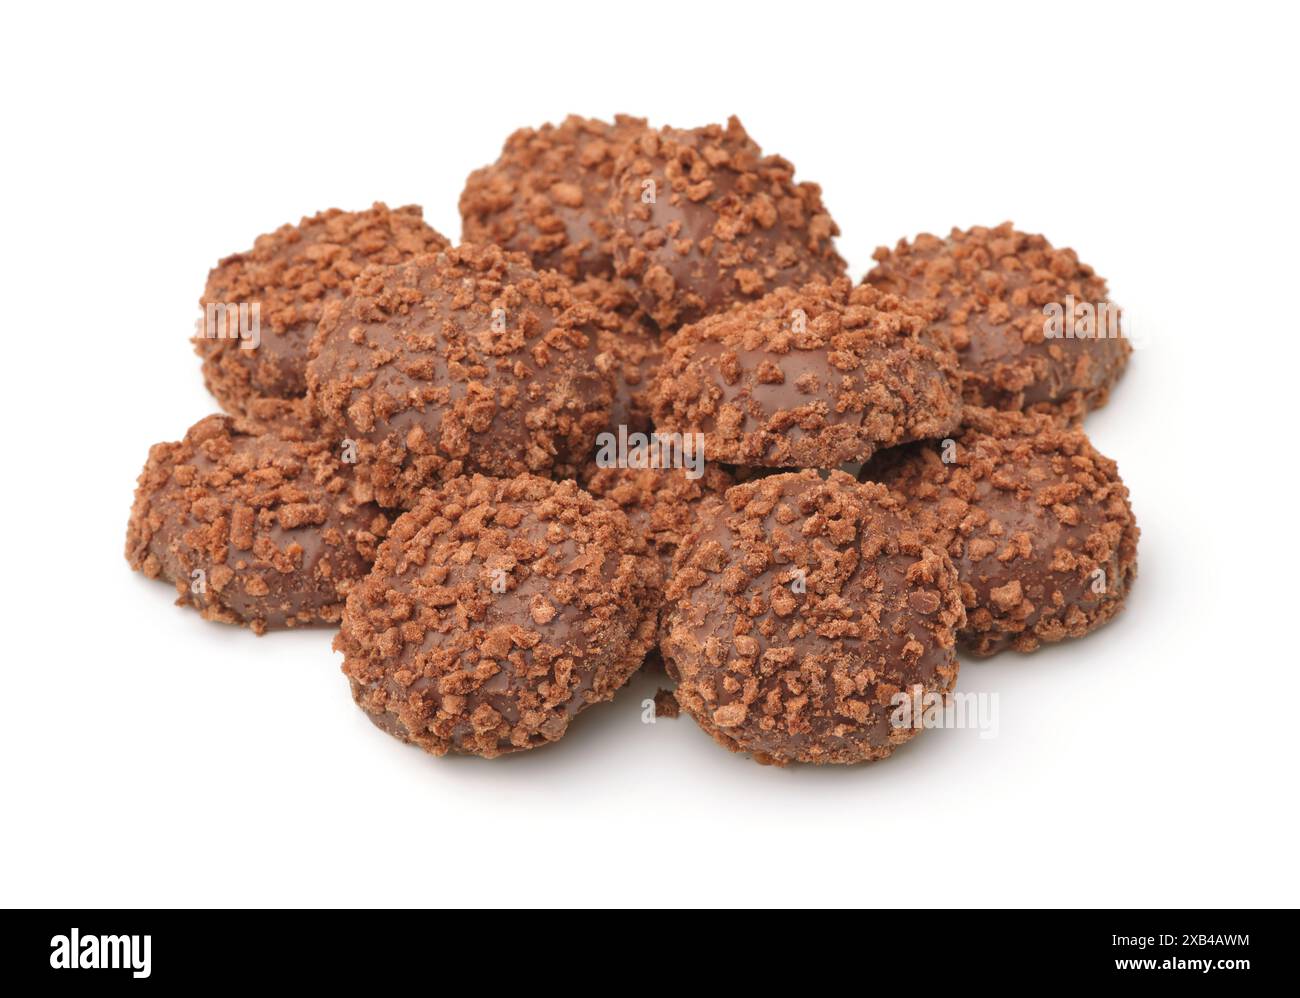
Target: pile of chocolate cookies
{"x": 641, "y": 417}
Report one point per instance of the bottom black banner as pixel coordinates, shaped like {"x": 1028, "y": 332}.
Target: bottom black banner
{"x": 142, "y": 948}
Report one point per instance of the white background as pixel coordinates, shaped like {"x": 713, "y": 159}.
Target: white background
{"x": 150, "y": 758}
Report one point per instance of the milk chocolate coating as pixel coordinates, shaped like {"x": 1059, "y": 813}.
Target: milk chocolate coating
{"x": 292, "y": 272}
{"x": 703, "y": 220}
{"x": 1037, "y": 522}
{"x": 546, "y": 195}
{"x": 464, "y": 361}
{"x": 990, "y": 287}
{"x": 261, "y": 509}
{"x": 497, "y": 611}
{"x": 812, "y": 377}
{"x": 795, "y": 667}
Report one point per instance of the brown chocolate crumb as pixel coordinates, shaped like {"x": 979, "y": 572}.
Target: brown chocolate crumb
{"x": 498, "y": 610}
{"x": 1037, "y": 522}
{"x": 291, "y": 273}
{"x": 629, "y": 348}
{"x": 662, "y": 504}
{"x": 666, "y": 704}
{"x": 990, "y": 287}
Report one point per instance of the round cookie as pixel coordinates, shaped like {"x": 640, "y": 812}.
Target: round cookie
{"x": 801, "y": 612}
{"x": 990, "y": 287}
{"x": 814, "y": 378}
{"x": 291, "y": 273}
{"x": 465, "y": 361}
{"x": 1037, "y": 522}
{"x": 253, "y": 521}
{"x": 546, "y": 195}
{"x": 702, "y": 220}
{"x": 498, "y": 609}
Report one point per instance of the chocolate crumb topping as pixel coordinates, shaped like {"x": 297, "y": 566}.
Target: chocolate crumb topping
{"x": 662, "y": 504}
{"x": 629, "y": 350}
{"x": 547, "y": 193}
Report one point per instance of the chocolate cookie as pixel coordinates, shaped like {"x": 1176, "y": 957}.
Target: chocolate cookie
{"x": 252, "y": 519}
{"x": 800, "y": 611}
{"x": 1015, "y": 309}
{"x": 464, "y": 361}
{"x": 1036, "y": 521}
{"x": 290, "y": 274}
{"x": 497, "y": 611}
{"x": 812, "y": 377}
{"x": 703, "y": 220}
{"x": 547, "y": 193}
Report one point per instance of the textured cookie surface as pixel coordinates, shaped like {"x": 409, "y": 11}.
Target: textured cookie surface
{"x": 291, "y": 273}
{"x": 800, "y": 610}
{"x": 498, "y": 610}
{"x": 629, "y": 350}
{"x": 703, "y": 220}
{"x": 1037, "y": 522}
{"x": 253, "y": 520}
{"x": 811, "y": 377}
{"x": 460, "y": 362}
{"x": 662, "y": 504}
{"x": 990, "y": 287}
{"x": 547, "y": 195}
